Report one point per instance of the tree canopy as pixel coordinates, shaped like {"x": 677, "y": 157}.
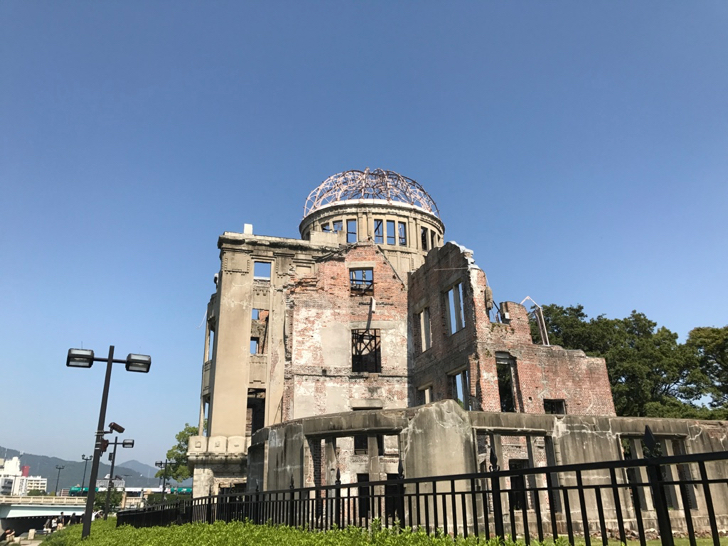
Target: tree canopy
{"x": 177, "y": 468}
{"x": 651, "y": 373}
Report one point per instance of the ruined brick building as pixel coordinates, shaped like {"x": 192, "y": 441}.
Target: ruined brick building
{"x": 339, "y": 350}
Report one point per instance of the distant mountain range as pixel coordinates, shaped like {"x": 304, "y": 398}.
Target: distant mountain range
{"x": 135, "y": 474}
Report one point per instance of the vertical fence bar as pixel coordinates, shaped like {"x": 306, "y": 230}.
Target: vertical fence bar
{"x": 582, "y": 507}
{"x": 709, "y": 503}
{"x": 550, "y": 489}
{"x": 600, "y": 511}
{"x": 497, "y": 506}
{"x": 618, "y": 506}
{"x": 688, "y": 513}
{"x": 659, "y": 500}
{"x": 474, "y": 504}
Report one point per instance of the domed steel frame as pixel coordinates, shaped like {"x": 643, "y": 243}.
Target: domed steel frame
{"x": 377, "y": 184}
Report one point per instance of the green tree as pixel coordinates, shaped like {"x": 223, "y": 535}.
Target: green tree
{"x": 114, "y": 500}
{"x": 36, "y": 493}
{"x": 711, "y": 346}
{"x": 651, "y": 374}
{"x": 178, "y": 469}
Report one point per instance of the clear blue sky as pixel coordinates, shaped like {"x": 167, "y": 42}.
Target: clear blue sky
{"x": 579, "y": 148}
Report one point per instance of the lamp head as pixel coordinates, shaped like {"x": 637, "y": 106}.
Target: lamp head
{"x": 127, "y": 443}
{"x": 138, "y": 363}
{"x": 80, "y": 358}
{"x": 159, "y": 464}
{"x": 116, "y": 428}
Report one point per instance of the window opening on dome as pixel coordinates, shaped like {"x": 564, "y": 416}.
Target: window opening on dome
{"x": 338, "y": 226}
{"x": 402, "y": 234}
{"x": 326, "y": 227}
{"x": 378, "y": 231}
{"x": 423, "y": 237}
{"x": 433, "y": 239}
{"x": 391, "y": 233}
{"x": 351, "y": 231}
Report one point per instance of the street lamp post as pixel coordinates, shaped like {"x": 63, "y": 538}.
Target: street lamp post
{"x": 163, "y": 465}
{"x": 85, "y": 459}
{"x": 112, "y": 458}
{"x": 84, "y": 358}
{"x": 58, "y": 478}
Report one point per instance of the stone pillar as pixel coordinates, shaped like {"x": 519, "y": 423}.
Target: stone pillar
{"x": 640, "y": 475}
{"x": 331, "y": 463}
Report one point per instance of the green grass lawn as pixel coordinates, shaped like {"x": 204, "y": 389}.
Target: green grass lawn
{"x": 105, "y": 533}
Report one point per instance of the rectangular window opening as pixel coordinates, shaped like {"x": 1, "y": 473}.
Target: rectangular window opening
{"x": 366, "y": 351}
{"x": 361, "y": 444}
{"x": 391, "y": 234}
{"x": 423, "y": 321}
{"x": 255, "y": 346}
{"x": 351, "y": 231}
{"x": 433, "y": 239}
{"x": 326, "y": 227}
{"x": 261, "y": 270}
{"x": 460, "y": 385}
{"x": 424, "y": 395}
{"x": 454, "y": 308}
{"x": 423, "y": 237}
{"x": 338, "y": 226}
{"x": 402, "y": 234}
{"x": 554, "y": 407}
{"x": 378, "y": 231}
{"x": 361, "y": 281}
{"x": 504, "y": 367}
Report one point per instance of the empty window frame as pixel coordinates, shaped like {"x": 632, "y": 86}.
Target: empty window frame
{"x": 423, "y": 237}
{"x": 261, "y": 270}
{"x": 505, "y": 365}
{"x": 391, "y": 233}
{"x": 433, "y": 239}
{"x": 361, "y": 444}
{"x": 424, "y": 395}
{"x": 338, "y": 225}
{"x": 423, "y": 320}
{"x": 351, "y": 231}
{"x": 454, "y": 308}
{"x": 366, "y": 351}
{"x": 326, "y": 227}
{"x": 361, "y": 281}
{"x": 554, "y": 406}
{"x": 378, "y": 231}
{"x": 255, "y": 346}
{"x": 460, "y": 385}
{"x": 402, "y": 234}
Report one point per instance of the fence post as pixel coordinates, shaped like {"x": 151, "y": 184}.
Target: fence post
{"x": 337, "y": 502}
{"x": 209, "y": 505}
{"x": 400, "y": 496}
{"x": 291, "y": 508}
{"x": 654, "y": 473}
{"x": 495, "y": 487}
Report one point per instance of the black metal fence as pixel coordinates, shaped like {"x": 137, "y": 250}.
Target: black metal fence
{"x": 684, "y": 495}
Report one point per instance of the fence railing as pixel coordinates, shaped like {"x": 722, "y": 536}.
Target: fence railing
{"x": 684, "y": 495}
